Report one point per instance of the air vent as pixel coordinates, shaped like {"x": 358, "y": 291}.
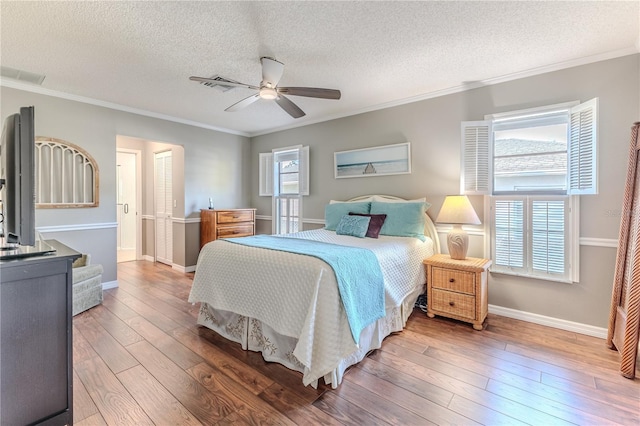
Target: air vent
{"x": 218, "y": 86}
{"x": 25, "y": 76}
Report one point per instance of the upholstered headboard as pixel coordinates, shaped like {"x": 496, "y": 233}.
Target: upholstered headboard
{"x": 429, "y": 227}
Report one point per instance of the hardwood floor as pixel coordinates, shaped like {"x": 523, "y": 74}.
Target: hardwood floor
{"x": 140, "y": 358}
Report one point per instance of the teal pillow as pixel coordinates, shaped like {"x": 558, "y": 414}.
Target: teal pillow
{"x": 356, "y": 226}
{"x": 334, "y": 212}
{"x": 403, "y": 219}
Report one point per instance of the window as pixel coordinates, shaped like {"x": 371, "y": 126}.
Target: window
{"x": 284, "y": 175}
{"x": 529, "y": 236}
{"x": 532, "y": 164}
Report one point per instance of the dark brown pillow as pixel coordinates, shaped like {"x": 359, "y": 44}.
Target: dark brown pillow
{"x": 375, "y": 224}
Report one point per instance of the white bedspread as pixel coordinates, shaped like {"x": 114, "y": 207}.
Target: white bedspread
{"x": 297, "y": 295}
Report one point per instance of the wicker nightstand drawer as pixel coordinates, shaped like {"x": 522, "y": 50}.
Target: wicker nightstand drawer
{"x": 449, "y": 279}
{"x": 456, "y": 304}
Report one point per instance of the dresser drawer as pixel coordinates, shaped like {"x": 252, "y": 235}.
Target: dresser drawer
{"x": 235, "y": 216}
{"x": 450, "y": 279}
{"x": 461, "y": 305}
{"x": 235, "y": 231}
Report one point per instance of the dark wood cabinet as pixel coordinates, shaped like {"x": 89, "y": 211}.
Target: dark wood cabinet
{"x": 36, "y": 364}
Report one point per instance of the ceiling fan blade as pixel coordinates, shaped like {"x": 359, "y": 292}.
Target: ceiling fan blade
{"x": 243, "y": 103}
{"x": 271, "y": 71}
{"x": 291, "y": 108}
{"x": 221, "y": 82}
{"x": 311, "y": 92}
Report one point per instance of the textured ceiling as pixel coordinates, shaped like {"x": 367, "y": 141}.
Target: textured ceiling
{"x": 140, "y": 55}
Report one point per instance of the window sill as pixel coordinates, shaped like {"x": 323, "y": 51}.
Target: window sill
{"x": 534, "y": 277}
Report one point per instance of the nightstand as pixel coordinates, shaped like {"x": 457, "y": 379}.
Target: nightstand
{"x": 457, "y": 288}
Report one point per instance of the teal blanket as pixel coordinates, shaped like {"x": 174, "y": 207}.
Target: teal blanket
{"x": 357, "y": 272}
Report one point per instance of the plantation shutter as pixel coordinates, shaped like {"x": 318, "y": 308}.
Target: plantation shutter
{"x": 583, "y": 170}
{"x": 303, "y": 169}
{"x": 548, "y": 252}
{"x": 266, "y": 174}
{"x": 509, "y": 233}
{"x": 476, "y": 161}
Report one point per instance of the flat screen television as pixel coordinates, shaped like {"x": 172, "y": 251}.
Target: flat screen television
{"x": 17, "y": 172}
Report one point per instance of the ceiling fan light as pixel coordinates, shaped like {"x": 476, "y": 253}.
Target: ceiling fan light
{"x": 268, "y": 93}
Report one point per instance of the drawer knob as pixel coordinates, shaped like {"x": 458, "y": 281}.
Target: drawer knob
{"x": 452, "y": 280}
{"x": 452, "y": 303}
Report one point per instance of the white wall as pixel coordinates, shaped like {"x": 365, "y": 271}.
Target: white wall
{"x": 433, "y": 128}
{"x": 217, "y": 167}
{"x": 225, "y": 167}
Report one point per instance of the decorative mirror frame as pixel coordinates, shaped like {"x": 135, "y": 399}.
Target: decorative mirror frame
{"x": 62, "y": 174}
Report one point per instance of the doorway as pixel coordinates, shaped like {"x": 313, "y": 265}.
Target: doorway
{"x": 128, "y": 193}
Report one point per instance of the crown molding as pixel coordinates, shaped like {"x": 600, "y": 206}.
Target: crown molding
{"x": 62, "y": 95}
{"x": 467, "y": 86}
{"x": 430, "y": 95}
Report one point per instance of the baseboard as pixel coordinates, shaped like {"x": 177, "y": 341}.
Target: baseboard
{"x": 175, "y": 266}
{"x": 109, "y": 284}
{"x": 184, "y": 269}
{"x": 576, "y": 327}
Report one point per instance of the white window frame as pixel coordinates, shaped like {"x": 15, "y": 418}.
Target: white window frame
{"x": 582, "y": 171}
{"x": 571, "y": 246}
{"x": 266, "y": 171}
{"x": 281, "y": 221}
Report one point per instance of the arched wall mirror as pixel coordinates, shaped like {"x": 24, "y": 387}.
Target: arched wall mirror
{"x": 66, "y": 175}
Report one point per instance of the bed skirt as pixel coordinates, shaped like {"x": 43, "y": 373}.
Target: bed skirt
{"x": 255, "y": 335}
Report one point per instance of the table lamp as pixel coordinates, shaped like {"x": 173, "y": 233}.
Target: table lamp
{"x": 457, "y": 210}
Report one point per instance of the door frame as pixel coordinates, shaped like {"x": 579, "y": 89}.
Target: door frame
{"x": 138, "y": 154}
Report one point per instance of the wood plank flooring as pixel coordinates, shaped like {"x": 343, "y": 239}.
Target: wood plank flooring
{"x": 140, "y": 358}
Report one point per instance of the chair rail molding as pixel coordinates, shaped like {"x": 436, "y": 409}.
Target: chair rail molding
{"x": 76, "y": 227}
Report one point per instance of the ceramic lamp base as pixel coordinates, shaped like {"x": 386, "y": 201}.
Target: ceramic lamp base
{"x": 458, "y": 243}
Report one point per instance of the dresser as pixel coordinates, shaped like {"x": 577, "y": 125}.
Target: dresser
{"x": 216, "y": 224}
{"x": 458, "y": 288}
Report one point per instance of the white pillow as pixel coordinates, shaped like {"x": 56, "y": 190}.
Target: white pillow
{"x": 380, "y": 199}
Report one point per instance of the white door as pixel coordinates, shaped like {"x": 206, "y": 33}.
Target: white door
{"x": 127, "y": 205}
{"x": 164, "y": 207}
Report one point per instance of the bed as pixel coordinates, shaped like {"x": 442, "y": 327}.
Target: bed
{"x": 289, "y": 307}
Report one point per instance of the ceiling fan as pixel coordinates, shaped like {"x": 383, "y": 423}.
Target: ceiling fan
{"x": 268, "y": 89}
